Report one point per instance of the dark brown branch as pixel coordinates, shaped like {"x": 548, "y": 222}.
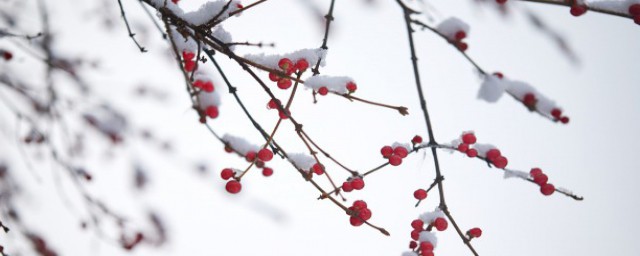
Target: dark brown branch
{"x": 126, "y": 23}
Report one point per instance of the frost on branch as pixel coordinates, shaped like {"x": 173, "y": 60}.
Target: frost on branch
{"x": 302, "y": 161}
{"x": 492, "y": 88}
{"x": 205, "y": 14}
{"x": 428, "y": 236}
{"x": 451, "y": 27}
{"x": 495, "y": 85}
{"x": 271, "y": 60}
{"x": 430, "y": 217}
{"x": 336, "y": 84}
{"x": 209, "y": 102}
{"x": 240, "y": 145}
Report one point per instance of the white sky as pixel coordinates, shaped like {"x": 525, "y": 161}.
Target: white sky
{"x": 594, "y": 156}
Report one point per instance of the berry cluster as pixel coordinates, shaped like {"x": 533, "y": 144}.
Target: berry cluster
{"x": 189, "y": 62}
{"x": 493, "y": 155}
{"x": 423, "y": 234}
{"x": 204, "y": 85}
{"x": 287, "y": 67}
{"x": 233, "y": 186}
{"x": 273, "y": 104}
{"x": 359, "y": 213}
{"x": 351, "y": 88}
{"x": 394, "y": 154}
{"x": 556, "y": 113}
{"x": 541, "y": 179}
{"x": 352, "y": 183}
{"x": 634, "y": 11}
{"x": 457, "y": 40}
{"x": 258, "y": 159}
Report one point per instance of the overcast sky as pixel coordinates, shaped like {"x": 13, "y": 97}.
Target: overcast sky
{"x": 595, "y": 155}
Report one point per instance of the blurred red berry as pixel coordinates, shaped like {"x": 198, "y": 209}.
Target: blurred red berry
{"x": 226, "y": 174}
{"x": 265, "y": 155}
{"x": 233, "y": 187}
{"x": 547, "y": 189}
{"x": 420, "y": 194}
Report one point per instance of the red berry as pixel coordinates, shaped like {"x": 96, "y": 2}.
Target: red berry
{"x": 265, "y": 155}
{"x": 474, "y": 232}
{"x": 240, "y": 6}
{"x": 426, "y": 253}
{"x": 547, "y": 189}
{"x": 636, "y": 19}
{"x": 357, "y": 184}
{"x": 283, "y": 115}
{"x": 351, "y": 87}
{"x": 259, "y": 163}
{"x": 472, "y": 152}
{"x": 541, "y": 179}
{"x": 355, "y": 221}
{"x": 365, "y": 214}
{"x": 175, "y": 1}
{"x": 250, "y": 156}
{"x": 212, "y": 111}
{"x": 460, "y": 35}
{"x": 492, "y": 154}
{"x": 208, "y": 86}
{"x": 395, "y": 160}
{"x": 188, "y": 55}
{"x": 500, "y": 162}
{"x": 564, "y": 119}
{"x": 302, "y": 65}
{"x": 318, "y": 169}
{"x": 469, "y": 138}
{"x": 228, "y": 149}
{"x": 577, "y": 10}
{"x": 189, "y": 65}
{"x": 416, "y": 139}
{"x": 463, "y": 147}
{"x": 323, "y": 91}
{"x": 386, "y": 151}
{"x": 535, "y": 172}
{"x": 556, "y": 113}
{"x": 274, "y": 77}
{"x": 420, "y": 194}
{"x": 415, "y": 234}
{"x": 359, "y": 204}
{"x": 530, "y": 100}
{"x": 417, "y": 224}
{"x": 441, "y": 224}
{"x": 7, "y": 55}
{"x": 413, "y": 244}
{"x": 498, "y": 75}
{"x": 634, "y": 9}
{"x": 346, "y": 186}
{"x": 401, "y": 151}
{"x": 267, "y": 171}
{"x": 462, "y": 46}
{"x": 284, "y": 83}
{"x": 501, "y": 1}
{"x": 273, "y": 104}
{"x": 226, "y": 174}
{"x": 233, "y": 187}
{"x": 426, "y": 246}
{"x": 285, "y": 64}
